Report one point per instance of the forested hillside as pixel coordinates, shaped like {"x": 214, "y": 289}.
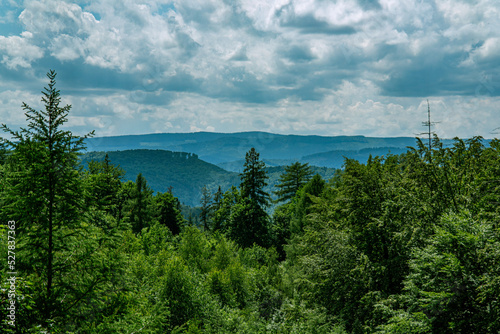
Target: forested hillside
{"x": 406, "y": 243}
{"x": 183, "y": 174}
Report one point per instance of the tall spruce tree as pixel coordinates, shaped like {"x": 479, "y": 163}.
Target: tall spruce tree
{"x": 43, "y": 193}
{"x": 253, "y": 179}
{"x": 249, "y": 219}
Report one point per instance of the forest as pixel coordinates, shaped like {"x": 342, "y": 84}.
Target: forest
{"x": 406, "y": 243}
{"x": 185, "y": 177}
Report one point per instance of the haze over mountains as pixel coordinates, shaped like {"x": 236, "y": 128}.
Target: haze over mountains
{"x": 185, "y": 162}
{"x": 227, "y": 150}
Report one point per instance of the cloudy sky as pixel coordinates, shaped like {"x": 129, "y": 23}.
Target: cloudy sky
{"x": 343, "y": 67}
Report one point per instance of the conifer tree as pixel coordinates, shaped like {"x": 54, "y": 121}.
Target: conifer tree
{"x": 294, "y": 177}
{"x": 222, "y": 208}
{"x": 141, "y": 213}
{"x": 253, "y": 179}
{"x": 44, "y": 195}
{"x": 103, "y": 181}
{"x": 206, "y": 207}
{"x": 249, "y": 219}
{"x": 168, "y": 212}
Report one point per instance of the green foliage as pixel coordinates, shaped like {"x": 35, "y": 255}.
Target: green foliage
{"x": 281, "y": 228}
{"x": 386, "y": 246}
{"x": 223, "y": 208}
{"x": 195, "y": 249}
{"x": 103, "y": 183}
{"x": 294, "y": 177}
{"x": 248, "y": 223}
{"x": 155, "y": 239}
{"x": 43, "y": 194}
{"x": 140, "y": 212}
{"x": 246, "y": 220}
{"x": 178, "y": 289}
{"x": 168, "y": 212}
{"x": 303, "y": 202}
{"x": 445, "y": 277}
{"x": 206, "y": 207}
{"x": 253, "y": 179}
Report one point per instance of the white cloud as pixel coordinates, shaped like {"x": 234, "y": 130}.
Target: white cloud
{"x": 11, "y": 112}
{"x": 65, "y": 47}
{"x": 45, "y": 18}
{"x": 490, "y": 49}
{"x": 7, "y": 17}
{"x": 19, "y": 51}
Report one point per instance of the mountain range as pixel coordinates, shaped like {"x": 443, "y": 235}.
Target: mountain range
{"x": 227, "y": 150}
{"x": 185, "y": 162}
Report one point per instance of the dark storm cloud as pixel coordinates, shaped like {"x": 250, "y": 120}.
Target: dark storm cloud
{"x": 370, "y": 4}
{"x": 298, "y": 53}
{"x": 78, "y": 76}
{"x": 308, "y": 24}
{"x": 439, "y": 74}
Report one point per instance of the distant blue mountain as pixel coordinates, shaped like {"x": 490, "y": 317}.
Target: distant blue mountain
{"x": 228, "y": 149}
{"x": 215, "y": 159}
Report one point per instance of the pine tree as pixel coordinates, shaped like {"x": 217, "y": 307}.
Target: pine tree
{"x": 249, "y": 220}
{"x": 253, "y": 179}
{"x": 294, "y": 177}
{"x": 103, "y": 181}
{"x": 44, "y": 195}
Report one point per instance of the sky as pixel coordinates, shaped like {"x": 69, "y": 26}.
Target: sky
{"x": 308, "y": 67}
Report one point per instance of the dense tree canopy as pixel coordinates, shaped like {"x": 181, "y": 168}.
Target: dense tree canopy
{"x": 397, "y": 245}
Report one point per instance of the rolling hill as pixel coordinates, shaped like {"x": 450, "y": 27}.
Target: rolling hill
{"x": 184, "y": 172}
